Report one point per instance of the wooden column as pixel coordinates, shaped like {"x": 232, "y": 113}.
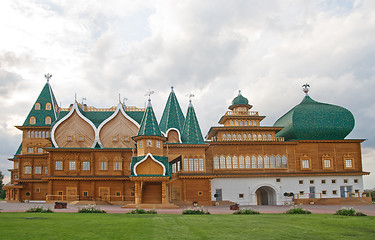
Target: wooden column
{"x": 163, "y": 193}
{"x": 137, "y": 192}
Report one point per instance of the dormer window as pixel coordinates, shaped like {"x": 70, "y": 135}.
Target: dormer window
{"x": 37, "y": 106}
{"x": 149, "y": 143}
{"x": 48, "y": 106}
{"x": 115, "y": 139}
{"x": 48, "y": 120}
{"x": 32, "y": 120}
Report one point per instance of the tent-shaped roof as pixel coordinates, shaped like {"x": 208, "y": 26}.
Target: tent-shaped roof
{"x": 172, "y": 116}
{"x": 191, "y": 133}
{"x": 149, "y": 125}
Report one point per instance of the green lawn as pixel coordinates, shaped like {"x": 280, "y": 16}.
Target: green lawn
{"x": 123, "y": 226}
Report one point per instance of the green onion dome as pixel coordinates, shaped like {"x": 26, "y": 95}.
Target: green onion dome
{"x": 311, "y": 120}
{"x": 240, "y": 101}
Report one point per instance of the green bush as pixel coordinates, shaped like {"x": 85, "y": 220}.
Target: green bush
{"x": 39, "y": 209}
{"x": 349, "y": 212}
{"x": 297, "y": 210}
{"x": 196, "y": 211}
{"x": 90, "y": 209}
{"x": 246, "y": 211}
{"x": 142, "y": 211}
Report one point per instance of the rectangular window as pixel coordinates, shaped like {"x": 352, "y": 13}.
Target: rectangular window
{"x": 115, "y": 139}
{"x": 301, "y": 192}
{"x": 158, "y": 144}
{"x": 241, "y": 162}
{"x": 241, "y": 196}
{"x": 103, "y": 165}
{"x": 248, "y": 162}
{"x": 229, "y": 162}
{"x": 305, "y": 164}
{"x": 254, "y": 162}
{"x": 60, "y": 193}
{"x": 69, "y": 138}
{"x": 40, "y": 150}
{"x": 27, "y": 169}
{"x": 345, "y": 180}
{"x": 85, "y": 194}
{"x": 355, "y": 180}
{"x": 278, "y": 180}
{"x": 186, "y": 164}
{"x": 333, "y": 180}
{"x": 118, "y": 194}
{"x": 327, "y": 163}
{"x": 45, "y": 170}
{"x": 300, "y": 181}
{"x": 174, "y": 168}
{"x": 196, "y": 167}
{"x": 222, "y": 162}
{"x": 81, "y": 139}
{"x": 334, "y": 192}
{"x": 323, "y": 181}
{"x": 86, "y": 166}
{"x": 324, "y": 192}
{"x": 59, "y": 165}
{"x": 178, "y": 166}
{"x": 191, "y": 164}
{"x": 72, "y": 165}
{"x": 118, "y": 166}
{"x": 235, "y": 162}
{"x": 38, "y": 170}
{"x": 30, "y": 150}
{"x": 348, "y": 163}
{"x": 201, "y": 165}
{"x": 311, "y": 181}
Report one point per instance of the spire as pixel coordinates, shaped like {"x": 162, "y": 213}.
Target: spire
{"x": 44, "y": 108}
{"x": 172, "y": 116}
{"x": 191, "y": 133}
{"x": 149, "y": 125}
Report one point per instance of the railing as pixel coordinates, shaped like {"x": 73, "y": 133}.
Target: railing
{"x": 62, "y": 197}
{"x": 321, "y": 195}
{"x": 111, "y": 109}
{"x": 273, "y": 139}
{"x": 241, "y": 113}
{"x": 72, "y": 198}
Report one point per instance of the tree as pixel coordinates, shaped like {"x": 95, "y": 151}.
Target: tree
{"x": 2, "y": 191}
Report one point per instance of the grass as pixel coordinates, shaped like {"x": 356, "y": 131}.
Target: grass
{"x": 174, "y": 226}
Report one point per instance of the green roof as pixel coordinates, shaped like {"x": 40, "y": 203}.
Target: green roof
{"x": 45, "y": 96}
{"x": 149, "y": 125}
{"x": 18, "y": 152}
{"x": 311, "y": 120}
{"x": 172, "y": 116}
{"x": 163, "y": 160}
{"x": 191, "y": 132}
{"x": 239, "y": 100}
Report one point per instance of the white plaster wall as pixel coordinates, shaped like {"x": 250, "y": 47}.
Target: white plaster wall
{"x": 232, "y": 187}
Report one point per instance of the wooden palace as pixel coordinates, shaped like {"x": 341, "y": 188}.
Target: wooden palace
{"x": 123, "y": 155}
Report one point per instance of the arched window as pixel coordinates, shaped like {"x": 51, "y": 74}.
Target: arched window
{"x": 37, "y": 106}
{"x": 259, "y": 137}
{"x": 244, "y": 136}
{"x": 248, "y": 162}
{"x": 48, "y": 120}
{"x": 47, "y": 134}
{"x": 254, "y": 123}
{"x": 284, "y": 161}
{"x": 245, "y": 123}
{"x": 28, "y": 134}
{"x": 241, "y": 162}
{"x": 273, "y": 163}
{"x": 250, "y": 123}
{"x": 239, "y": 137}
{"x": 229, "y": 162}
{"x": 278, "y": 161}
{"x": 264, "y": 137}
{"x": 229, "y": 137}
{"x": 32, "y": 134}
{"x": 254, "y": 161}
{"x": 224, "y": 137}
{"x": 222, "y": 162}
{"x": 48, "y": 106}
{"x": 241, "y": 123}
{"x": 32, "y": 120}
{"x": 231, "y": 122}
{"x": 269, "y": 137}
{"x": 216, "y": 162}
{"x": 235, "y": 162}
{"x": 260, "y": 162}
{"x": 149, "y": 143}
{"x": 234, "y": 137}
{"x": 43, "y": 134}
{"x": 266, "y": 162}
{"x": 140, "y": 144}
{"x": 39, "y": 134}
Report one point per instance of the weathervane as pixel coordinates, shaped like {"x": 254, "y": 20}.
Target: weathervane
{"x": 149, "y": 93}
{"x": 47, "y": 76}
{"x": 123, "y": 101}
{"x": 239, "y": 92}
{"x": 83, "y": 99}
{"x": 190, "y": 95}
{"x": 306, "y": 88}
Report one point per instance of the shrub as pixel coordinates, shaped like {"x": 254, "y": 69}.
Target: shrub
{"x": 39, "y": 209}
{"x": 90, "y": 209}
{"x": 142, "y": 211}
{"x": 196, "y": 211}
{"x": 349, "y": 212}
{"x": 246, "y": 211}
{"x": 297, "y": 210}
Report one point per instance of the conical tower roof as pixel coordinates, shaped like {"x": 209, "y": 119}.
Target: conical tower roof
{"x": 39, "y": 110}
{"x": 172, "y": 116}
{"x": 149, "y": 125}
{"x": 191, "y": 132}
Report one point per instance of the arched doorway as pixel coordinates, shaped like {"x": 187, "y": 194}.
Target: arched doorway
{"x": 265, "y": 196}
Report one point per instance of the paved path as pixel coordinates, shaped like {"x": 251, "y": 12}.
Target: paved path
{"x": 330, "y": 209}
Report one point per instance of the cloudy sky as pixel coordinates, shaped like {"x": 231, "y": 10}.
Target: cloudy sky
{"x": 210, "y": 48}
